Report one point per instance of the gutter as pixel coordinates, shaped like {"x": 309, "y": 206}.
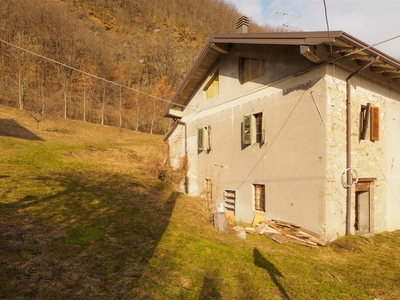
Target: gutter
{"x": 348, "y": 149}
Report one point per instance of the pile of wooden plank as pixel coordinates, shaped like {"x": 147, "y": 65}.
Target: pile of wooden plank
{"x": 283, "y": 232}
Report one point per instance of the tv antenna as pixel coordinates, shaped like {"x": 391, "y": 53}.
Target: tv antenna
{"x": 285, "y": 18}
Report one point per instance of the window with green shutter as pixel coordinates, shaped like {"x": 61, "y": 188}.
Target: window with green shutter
{"x": 253, "y": 129}
{"x": 200, "y": 139}
{"x": 246, "y": 133}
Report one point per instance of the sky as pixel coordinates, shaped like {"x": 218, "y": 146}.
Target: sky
{"x": 371, "y": 21}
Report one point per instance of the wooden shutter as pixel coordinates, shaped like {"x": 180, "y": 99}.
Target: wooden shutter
{"x": 375, "y": 118}
{"x": 200, "y": 139}
{"x": 212, "y": 89}
{"x": 208, "y": 137}
{"x": 259, "y": 128}
{"x": 262, "y": 128}
{"x": 246, "y": 132}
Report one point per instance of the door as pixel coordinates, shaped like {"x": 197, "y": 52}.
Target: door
{"x": 362, "y": 224}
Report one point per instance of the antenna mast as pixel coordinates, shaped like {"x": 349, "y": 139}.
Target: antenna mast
{"x": 285, "y": 15}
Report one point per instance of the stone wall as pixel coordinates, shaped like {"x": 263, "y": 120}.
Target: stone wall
{"x": 369, "y": 158}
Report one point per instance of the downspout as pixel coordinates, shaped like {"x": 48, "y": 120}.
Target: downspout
{"x": 186, "y": 157}
{"x": 348, "y": 150}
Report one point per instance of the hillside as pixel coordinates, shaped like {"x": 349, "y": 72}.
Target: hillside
{"x": 145, "y": 46}
{"x": 84, "y": 215}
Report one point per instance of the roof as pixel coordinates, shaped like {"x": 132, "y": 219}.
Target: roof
{"x": 319, "y": 47}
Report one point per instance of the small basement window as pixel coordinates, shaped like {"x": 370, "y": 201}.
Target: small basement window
{"x": 250, "y": 68}
{"x": 259, "y": 197}
{"x": 253, "y": 130}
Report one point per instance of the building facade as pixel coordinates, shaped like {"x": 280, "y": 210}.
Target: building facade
{"x": 299, "y": 127}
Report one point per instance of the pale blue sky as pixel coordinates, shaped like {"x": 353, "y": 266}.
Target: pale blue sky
{"x": 371, "y": 21}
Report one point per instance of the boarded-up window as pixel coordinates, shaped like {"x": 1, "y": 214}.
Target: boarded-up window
{"x": 246, "y": 130}
{"x": 250, "y": 68}
{"x": 212, "y": 88}
{"x": 375, "y": 119}
{"x": 259, "y": 197}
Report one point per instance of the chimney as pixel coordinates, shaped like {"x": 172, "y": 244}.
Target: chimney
{"x": 242, "y": 24}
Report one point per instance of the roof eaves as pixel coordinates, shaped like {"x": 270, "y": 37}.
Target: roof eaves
{"x": 196, "y": 64}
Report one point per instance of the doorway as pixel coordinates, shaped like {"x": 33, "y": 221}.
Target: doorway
{"x": 362, "y": 223}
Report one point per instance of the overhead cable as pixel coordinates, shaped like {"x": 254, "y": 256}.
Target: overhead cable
{"x": 327, "y": 26}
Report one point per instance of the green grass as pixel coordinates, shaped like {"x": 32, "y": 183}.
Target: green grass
{"x": 82, "y": 216}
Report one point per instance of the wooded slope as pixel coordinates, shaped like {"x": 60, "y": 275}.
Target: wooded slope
{"x": 145, "y": 45}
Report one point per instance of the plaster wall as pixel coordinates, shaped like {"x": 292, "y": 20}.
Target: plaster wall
{"x": 291, "y": 162}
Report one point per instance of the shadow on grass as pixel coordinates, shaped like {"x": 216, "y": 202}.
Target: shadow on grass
{"x": 209, "y": 289}
{"x": 261, "y": 262}
{"x": 9, "y": 127}
{"x": 90, "y": 238}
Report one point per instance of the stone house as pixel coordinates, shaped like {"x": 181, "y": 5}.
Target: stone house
{"x": 302, "y": 127}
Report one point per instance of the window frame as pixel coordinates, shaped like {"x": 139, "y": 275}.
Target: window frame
{"x": 259, "y": 199}
{"x": 204, "y": 138}
{"x": 364, "y": 119}
{"x": 253, "y": 128}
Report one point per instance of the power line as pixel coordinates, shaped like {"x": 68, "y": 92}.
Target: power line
{"x": 87, "y": 73}
{"x": 327, "y": 26}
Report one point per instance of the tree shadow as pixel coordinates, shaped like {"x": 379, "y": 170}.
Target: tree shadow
{"x": 9, "y": 127}
{"x": 92, "y": 238}
{"x": 261, "y": 262}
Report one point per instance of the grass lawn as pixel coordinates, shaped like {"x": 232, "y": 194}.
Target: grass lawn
{"x": 83, "y": 216}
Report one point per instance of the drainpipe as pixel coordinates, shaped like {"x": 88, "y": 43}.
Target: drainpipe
{"x": 348, "y": 153}
{"x": 186, "y": 156}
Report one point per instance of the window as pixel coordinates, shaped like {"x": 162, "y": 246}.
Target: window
{"x": 230, "y": 201}
{"x": 253, "y": 129}
{"x": 250, "y": 68}
{"x": 364, "y": 117}
{"x": 259, "y": 197}
{"x": 204, "y": 138}
{"x": 375, "y": 123}
{"x": 212, "y": 88}
{"x": 370, "y": 114}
